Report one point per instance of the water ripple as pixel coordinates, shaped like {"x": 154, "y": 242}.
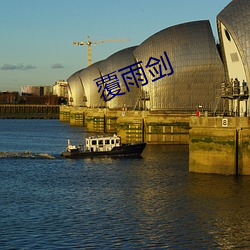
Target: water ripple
{"x": 26, "y": 154}
{"x": 148, "y": 203}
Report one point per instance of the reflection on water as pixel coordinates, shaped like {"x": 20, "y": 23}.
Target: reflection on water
{"x": 151, "y": 202}
{"x": 224, "y": 201}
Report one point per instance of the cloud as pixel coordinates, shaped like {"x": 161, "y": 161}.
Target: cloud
{"x": 57, "y": 66}
{"x": 21, "y": 66}
{"x": 29, "y": 67}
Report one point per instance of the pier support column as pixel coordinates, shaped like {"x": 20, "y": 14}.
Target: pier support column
{"x": 77, "y": 117}
{"x": 219, "y": 145}
{"x": 95, "y": 120}
{"x": 166, "y": 129}
{"x": 130, "y": 126}
{"x": 64, "y": 114}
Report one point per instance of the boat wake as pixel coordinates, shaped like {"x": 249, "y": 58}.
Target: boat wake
{"x": 26, "y": 154}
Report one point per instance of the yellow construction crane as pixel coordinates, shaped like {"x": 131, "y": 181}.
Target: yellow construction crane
{"x": 89, "y": 43}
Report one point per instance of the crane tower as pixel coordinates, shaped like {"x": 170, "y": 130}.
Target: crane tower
{"x": 89, "y": 43}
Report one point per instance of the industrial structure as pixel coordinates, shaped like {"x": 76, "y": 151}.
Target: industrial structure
{"x": 75, "y": 90}
{"x": 234, "y": 33}
{"x": 153, "y": 92}
{"x": 38, "y": 95}
{"x": 91, "y": 90}
{"x": 197, "y": 67}
{"x": 37, "y": 90}
{"x": 60, "y": 89}
{"x": 113, "y": 63}
{"x": 178, "y": 69}
{"x": 89, "y": 43}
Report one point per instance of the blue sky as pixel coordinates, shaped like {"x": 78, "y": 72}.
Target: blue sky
{"x": 36, "y": 35}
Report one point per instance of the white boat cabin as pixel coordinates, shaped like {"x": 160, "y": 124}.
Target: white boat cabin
{"x": 104, "y": 143}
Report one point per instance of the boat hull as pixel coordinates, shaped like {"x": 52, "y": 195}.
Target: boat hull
{"x": 126, "y": 150}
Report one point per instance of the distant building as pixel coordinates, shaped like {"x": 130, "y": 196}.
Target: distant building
{"x": 30, "y": 90}
{"x": 47, "y": 90}
{"x": 60, "y": 89}
{"x": 40, "y": 100}
{"x": 38, "y": 95}
{"x": 37, "y": 90}
{"x": 9, "y": 97}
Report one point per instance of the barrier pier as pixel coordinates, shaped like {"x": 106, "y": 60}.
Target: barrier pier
{"x": 219, "y": 145}
{"x": 132, "y": 126}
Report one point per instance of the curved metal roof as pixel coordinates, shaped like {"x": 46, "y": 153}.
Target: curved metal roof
{"x": 236, "y": 18}
{"x": 113, "y": 63}
{"x": 87, "y": 76}
{"x": 197, "y": 67}
{"x": 76, "y": 90}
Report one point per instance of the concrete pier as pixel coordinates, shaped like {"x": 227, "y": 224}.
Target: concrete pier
{"x": 64, "y": 114}
{"x": 219, "y": 145}
{"x": 132, "y": 126}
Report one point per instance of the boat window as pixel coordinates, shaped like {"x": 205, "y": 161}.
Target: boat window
{"x": 93, "y": 142}
{"x": 100, "y": 142}
{"x": 117, "y": 141}
{"x": 107, "y": 142}
{"x": 112, "y": 142}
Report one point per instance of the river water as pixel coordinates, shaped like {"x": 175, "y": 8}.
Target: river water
{"x": 150, "y": 203}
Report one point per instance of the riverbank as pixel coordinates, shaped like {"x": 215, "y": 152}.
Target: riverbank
{"x": 25, "y": 111}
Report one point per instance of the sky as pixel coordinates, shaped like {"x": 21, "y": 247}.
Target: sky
{"x": 36, "y": 35}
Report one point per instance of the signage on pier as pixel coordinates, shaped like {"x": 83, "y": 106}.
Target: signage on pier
{"x": 224, "y": 123}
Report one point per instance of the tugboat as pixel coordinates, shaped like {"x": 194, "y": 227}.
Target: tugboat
{"x": 101, "y": 146}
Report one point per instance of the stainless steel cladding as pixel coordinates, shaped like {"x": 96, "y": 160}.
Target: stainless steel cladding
{"x": 87, "y": 77}
{"x": 198, "y": 69}
{"x": 234, "y": 24}
{"x": 77, "y": 96}
{"x": 113, "y": 63}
